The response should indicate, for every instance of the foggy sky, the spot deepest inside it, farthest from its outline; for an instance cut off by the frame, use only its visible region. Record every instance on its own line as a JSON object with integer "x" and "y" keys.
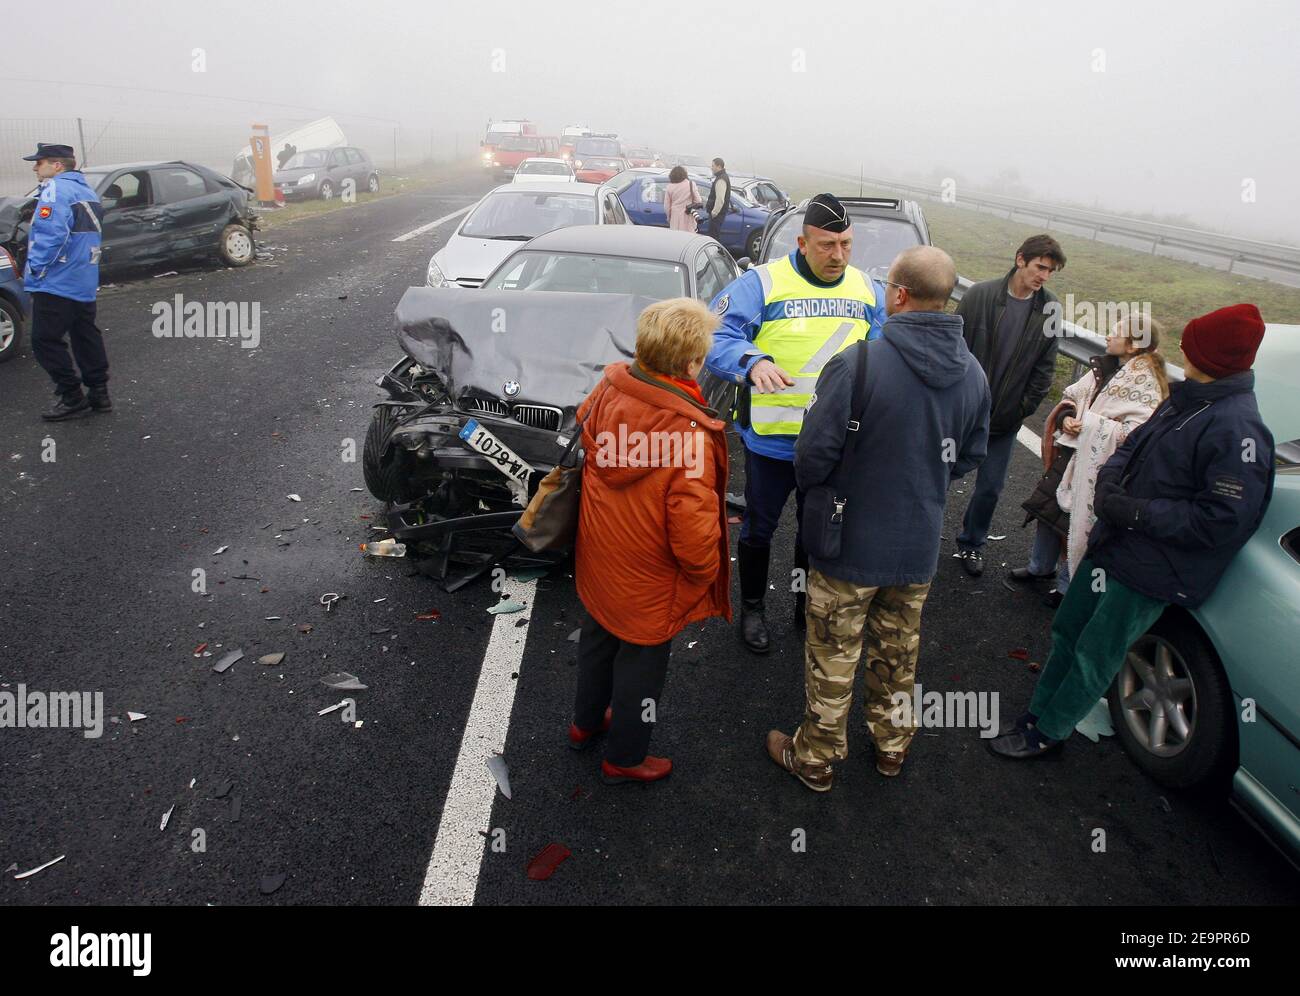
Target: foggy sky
{"x": 1194, "y": 98}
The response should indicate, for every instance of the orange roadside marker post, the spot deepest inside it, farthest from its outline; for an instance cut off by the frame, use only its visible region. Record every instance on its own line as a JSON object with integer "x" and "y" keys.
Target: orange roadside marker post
{"x": 261, "y": 146}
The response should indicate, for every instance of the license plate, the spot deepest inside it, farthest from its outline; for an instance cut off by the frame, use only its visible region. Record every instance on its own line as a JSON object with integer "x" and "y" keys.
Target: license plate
{"x": 502, "y": 456}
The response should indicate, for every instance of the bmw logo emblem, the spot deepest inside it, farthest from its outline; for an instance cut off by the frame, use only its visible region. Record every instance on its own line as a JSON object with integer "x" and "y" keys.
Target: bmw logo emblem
{"x": 511, "y": 388}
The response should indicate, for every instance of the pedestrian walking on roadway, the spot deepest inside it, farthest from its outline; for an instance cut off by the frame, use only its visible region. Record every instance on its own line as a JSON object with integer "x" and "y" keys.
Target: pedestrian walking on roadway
{"x": 681, "y": 200}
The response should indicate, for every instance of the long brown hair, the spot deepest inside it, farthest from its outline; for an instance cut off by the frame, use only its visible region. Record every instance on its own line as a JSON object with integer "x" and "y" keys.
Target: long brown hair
{"x": 1150, "y": 352}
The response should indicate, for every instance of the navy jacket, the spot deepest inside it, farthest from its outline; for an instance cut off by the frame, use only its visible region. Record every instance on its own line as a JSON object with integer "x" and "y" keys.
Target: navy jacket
{"x": 1204, "y": 462}
{"x": 926, "y": 419}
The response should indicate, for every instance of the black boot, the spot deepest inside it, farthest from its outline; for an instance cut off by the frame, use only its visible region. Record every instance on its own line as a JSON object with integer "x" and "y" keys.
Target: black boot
{"x": 751, "y": 563}
{"x": 66, "y": 406}
{"x": 99, "y": 399}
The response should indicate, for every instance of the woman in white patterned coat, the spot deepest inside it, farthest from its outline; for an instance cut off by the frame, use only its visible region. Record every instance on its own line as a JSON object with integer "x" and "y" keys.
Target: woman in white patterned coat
{"x": 1095, "y": 415}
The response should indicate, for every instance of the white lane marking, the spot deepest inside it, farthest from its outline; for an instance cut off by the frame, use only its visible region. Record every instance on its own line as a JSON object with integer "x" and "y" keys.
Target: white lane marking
{"x": 452, "y": 875}
{"x": 432, "y": 225}
{"x": 1030, "y": 439}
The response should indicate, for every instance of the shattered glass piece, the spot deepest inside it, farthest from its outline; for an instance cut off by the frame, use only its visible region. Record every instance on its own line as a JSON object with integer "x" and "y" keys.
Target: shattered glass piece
{"x": 343, "y": 681}
{"x": 224, "y": 664}
{"x": 544, "y": 864}
{"x": 497, "y": 765}
{"x": 223, "y": 789}
{"x": 40, "y": 868}
{"x": 1096, "y": 724}
{"x": 166, "y": 816}
{"x": 235, "y": 802}
{"x": 135, "y": 717}
{"x": 575, "y": 635}
{"x": 506, "y": 607}
{"x": 271, "y": 882}
{"x": 271, "y": 660}
{"x": 529, "y": 573}
{"x": 294, "y": 497}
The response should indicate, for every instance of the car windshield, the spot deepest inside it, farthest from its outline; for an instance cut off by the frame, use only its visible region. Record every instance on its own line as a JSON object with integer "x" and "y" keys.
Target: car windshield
{"x": 497, "y": 137}
{"x": 584, "y": 147}
{"x": 537, "y": 270}
{"x": 520, "y": 143}
{"x": 524, "y": 215}
{"x": 596, "y": 162}
{"x": 545, "y": 169}
{"x": 876, "y": 241}
{"x": 316, "y": 157}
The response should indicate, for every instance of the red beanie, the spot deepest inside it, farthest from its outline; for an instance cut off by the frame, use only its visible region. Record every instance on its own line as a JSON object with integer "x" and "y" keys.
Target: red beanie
{"x": 1224, "y": 341}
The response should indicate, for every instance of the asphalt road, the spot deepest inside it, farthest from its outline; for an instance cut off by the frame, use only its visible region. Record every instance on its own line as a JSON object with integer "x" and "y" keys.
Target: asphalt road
{"x": 208, "y": 439}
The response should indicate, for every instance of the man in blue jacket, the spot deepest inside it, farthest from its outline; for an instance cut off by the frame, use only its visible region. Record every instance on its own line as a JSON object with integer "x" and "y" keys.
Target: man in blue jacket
{"x": 62, "y": 276}
{"x": 1175, "y": 504}
{"x": 926, "y": 418}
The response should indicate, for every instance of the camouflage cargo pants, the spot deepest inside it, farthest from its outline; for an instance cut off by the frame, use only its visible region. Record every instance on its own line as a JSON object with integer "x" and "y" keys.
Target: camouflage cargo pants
{"x": 838, "y": 614}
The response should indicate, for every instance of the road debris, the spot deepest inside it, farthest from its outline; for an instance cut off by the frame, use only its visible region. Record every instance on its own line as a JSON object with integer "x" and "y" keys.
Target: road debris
{"x": 294, "y": 497}
{"x": 1019, "y": 653}
{"x": 224, "y": 664}
{"x": 271, "y": 660}
{"x": 135, "y": 717}
{"x": 575, "y": 635}
{"x": 334, "y": 707}
{"x": 223, "y": 789}
{"x": 383, "y": 548}
{"x": 220, "y": 550}
{"x": 344, "y": 682}
{"x": 270, "y": 883}
{"x": 433, "y": 615}
{"x": 166, "y": 816}
{"x": 529, "y": 573}
{"x": 305, "y": 627}
{"x": 547, "y": 860}
{"x": 198, "y": 651}
{"x": 328, "y": 599}
{"x": 38, "y": 868}
{"x": 497, "y": 765}
{"x": 1096, "y": 724}
{"x": 506, "y": 607}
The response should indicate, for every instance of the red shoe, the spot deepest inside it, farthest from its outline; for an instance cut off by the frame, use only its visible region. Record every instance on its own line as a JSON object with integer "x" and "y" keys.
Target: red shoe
{"x": 582, "y": 739}
{"x": 649, "y": 770}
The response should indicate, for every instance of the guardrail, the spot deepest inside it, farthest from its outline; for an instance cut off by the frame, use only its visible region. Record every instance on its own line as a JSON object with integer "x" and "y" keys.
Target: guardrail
{"x": 1284, "y": 259}
{"x": 1078, "y": 345}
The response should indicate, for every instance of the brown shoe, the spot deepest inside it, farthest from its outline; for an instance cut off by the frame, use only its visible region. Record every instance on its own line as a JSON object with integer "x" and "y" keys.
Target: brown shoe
{"x": 780, "y": 748}
{"x": 890, "y": 762}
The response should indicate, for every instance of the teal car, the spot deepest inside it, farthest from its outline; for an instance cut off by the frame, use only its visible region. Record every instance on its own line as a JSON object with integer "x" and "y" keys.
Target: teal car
{"x": 1213, "y": 694}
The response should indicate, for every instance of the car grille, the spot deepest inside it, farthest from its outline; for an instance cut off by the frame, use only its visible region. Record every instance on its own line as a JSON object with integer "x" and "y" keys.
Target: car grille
{"x": 538, "y": 417}
{"x": 486, "y": 406}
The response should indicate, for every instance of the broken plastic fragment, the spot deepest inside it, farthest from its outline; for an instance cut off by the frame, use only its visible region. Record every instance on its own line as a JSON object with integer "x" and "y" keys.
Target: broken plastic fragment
{"x": 1019, "y": 653}
{"x": 575, "y": 635}
{"x": 220, "y": 549}
{"x": 294, "y": 497}
{"x": 1096, "y": 724}
{"x": 224, "y": 664}
{"x": 39, "y": 868}
{"x": 223, "y": 789}
{"x": 136, "y": 716}
{"x": 529, "y": 573}
{"x": 383, "y": 548}
{"x": 166, "y": 816}
{"x": 304, "y": 627}
{"x": 544, "y": 864}
{"x": 271, "y": 882}
{"x": 343, "y": 681}
{"x": 433, "y": 615}
{"x": 234, "y": 809}
{"x": 497, "y": 765}
{"x": 271, "y": 660}
{"x": 508, "y": 606}
{"x": 198, "y": 651}
{"x": 329, "y": 709}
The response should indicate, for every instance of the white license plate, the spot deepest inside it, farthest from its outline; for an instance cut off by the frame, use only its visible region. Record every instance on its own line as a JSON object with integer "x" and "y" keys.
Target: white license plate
{"x": 502, "y": 456}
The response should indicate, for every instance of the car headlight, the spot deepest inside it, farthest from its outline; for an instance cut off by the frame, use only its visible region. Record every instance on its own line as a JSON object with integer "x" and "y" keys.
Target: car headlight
{"x": 306, "y": 179}
{"x": 577, "y": 164}
{"x": 434, "y": 277}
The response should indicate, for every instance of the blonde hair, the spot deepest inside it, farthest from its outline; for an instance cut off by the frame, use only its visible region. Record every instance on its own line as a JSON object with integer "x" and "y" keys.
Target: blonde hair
{"x": 672, "y": 334}
{"x": 1149, "y": 351}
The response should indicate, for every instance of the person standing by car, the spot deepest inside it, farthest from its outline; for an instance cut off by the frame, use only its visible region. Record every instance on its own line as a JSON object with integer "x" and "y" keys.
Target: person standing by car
{"x": 681, "y": 198}
{"x": 719, "y": 202}
{"x": 926, "y": 417}
{"x": 62, "y": 276}
{"x": 1096, "y": 414}
{"x": 1007, "y": 330}
{"x": 1175, "y": 503}
{"x": 781, "y": 323}
{"x": 652, "y": 547}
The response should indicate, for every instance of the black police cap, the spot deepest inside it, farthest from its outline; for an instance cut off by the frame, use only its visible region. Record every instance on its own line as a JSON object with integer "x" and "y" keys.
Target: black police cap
{"x": 826, "y": 212}
{"x": 46, "y": 151}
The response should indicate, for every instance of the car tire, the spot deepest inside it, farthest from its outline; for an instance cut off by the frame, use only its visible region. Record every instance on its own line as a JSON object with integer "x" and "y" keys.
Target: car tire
{"x": 326, "y": 190}
{"x": 1192, "y": 743}
{"x": 752, "y": 244}
{"x": 236, "y": 246}
{"x": 386, "y": 477}
{"x": 372, "y": 183}
{"x": 11, "y": 330}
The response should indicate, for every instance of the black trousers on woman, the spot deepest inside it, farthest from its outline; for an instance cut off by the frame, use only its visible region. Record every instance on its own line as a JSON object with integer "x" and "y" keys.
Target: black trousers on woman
{"x": 615, "y": 673}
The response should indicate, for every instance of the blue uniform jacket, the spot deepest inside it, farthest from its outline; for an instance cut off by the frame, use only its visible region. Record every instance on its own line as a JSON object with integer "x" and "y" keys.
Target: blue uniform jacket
{"x": 63, "y": 247}
{"x": 740, "y": 305}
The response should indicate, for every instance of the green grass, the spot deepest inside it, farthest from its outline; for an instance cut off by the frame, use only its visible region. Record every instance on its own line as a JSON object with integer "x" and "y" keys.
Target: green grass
{"x": 408, "y": 180}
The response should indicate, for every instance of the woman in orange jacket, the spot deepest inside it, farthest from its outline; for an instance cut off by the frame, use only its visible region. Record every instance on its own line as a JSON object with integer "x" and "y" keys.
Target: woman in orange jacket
{"x": 652, "y": 546}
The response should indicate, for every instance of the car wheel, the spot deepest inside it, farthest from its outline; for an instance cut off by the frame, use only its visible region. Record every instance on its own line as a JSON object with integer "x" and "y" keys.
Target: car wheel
{"x": 11, "y": 331}
{"x": 326, "y": 190}
{"x": 236, "y": 246}
{"x": 385, "y": 476}
{"x": 752, "y": 244}
{"x": 372, "y": 183}
{"x": 1172, "y": 708}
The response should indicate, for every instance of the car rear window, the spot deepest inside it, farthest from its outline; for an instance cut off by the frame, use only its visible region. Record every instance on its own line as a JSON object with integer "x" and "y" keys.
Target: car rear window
{"x": 595, "y": 147}
{"x": 576, "y": 273}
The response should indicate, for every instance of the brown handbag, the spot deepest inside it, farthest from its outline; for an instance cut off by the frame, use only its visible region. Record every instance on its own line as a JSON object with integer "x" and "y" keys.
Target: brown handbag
{"x": 550, "y": 522}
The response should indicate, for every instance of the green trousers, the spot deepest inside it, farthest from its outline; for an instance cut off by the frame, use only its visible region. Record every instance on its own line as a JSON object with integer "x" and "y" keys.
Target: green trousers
{"x": 1091, "y": 635}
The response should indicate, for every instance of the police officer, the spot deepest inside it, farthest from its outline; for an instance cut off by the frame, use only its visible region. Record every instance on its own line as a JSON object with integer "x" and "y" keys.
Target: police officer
{"x": 62, "y": 276}
{"x": 781, "y": 323}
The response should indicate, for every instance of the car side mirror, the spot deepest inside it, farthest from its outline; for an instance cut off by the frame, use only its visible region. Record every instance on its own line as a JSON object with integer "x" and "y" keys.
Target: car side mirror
{"x": 744, "y": 262}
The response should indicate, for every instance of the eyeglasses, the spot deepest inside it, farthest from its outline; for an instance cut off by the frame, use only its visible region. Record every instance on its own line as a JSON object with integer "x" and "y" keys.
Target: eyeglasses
{"x": 890, "y": 283}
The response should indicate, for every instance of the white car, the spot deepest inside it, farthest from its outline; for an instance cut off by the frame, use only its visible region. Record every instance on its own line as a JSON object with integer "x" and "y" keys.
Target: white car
{"x": 516, "y": 213}
{"x": 541, "y": 170}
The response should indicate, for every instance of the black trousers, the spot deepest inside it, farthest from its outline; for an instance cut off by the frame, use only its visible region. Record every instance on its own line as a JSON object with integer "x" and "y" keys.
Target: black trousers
{"x": 768, "y": 483}
{"x": 615, "y": 673}
{"x": 55, "y": 319}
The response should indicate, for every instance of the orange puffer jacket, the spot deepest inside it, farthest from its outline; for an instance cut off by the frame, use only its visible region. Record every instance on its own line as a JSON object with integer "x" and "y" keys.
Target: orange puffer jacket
{"x": 652, "y": 551}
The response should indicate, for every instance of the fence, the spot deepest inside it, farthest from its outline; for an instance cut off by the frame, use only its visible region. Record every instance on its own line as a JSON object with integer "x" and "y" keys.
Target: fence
{"x": 214, "y": 145}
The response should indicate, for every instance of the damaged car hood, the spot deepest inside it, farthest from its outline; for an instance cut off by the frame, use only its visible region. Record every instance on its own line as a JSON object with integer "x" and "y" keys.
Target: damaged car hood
{"x": 15, "y": 219}
{"x": 547, "y": 347}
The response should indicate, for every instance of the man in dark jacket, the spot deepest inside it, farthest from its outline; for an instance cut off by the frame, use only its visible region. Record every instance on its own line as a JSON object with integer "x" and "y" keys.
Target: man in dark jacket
{"x": 719, "y": 202}
{"x": 1175, "y": 504}
{"x": 1006, "y": 327}
{"x": 926, "y": 418}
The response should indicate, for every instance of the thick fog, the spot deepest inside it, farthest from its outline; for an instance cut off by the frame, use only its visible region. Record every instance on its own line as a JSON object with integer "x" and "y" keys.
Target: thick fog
{"x": 1176, "y": 109}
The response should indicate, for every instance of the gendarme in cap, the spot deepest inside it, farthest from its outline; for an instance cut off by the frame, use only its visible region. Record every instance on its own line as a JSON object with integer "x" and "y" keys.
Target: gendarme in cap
{"x": 826, "y": 212}
{"x": 46, "y": 151}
